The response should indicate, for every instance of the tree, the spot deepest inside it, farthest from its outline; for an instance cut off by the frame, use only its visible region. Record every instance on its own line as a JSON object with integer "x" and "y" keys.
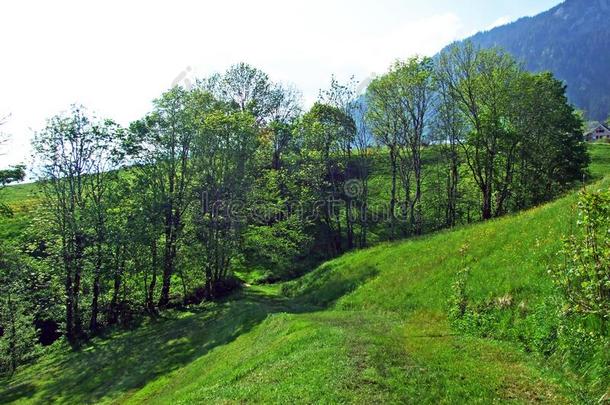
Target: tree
{"x": 342, "y": 97}
{"x": 121, "y": 250}
{"x": 484, "y": 85}
{"x": 278, "y": 237}
{"x": 283, "y": 115}
{"x": 66, "y": 149}
{"x": 383, "y": 115}
{"x": 162, "y": 150}
{"x": 552, "y": 153}
{"x": 449, "y": 129}
{"x": 11, "y": 175}
{"x": 18, "y": 340}
{"x": 327, "y": 134}
{"x": 400, "y": 108}
{"x": 7, "y": 176}
{"x": 250, "y": 89}
{"x": 274, "y": 106}
{"x": 416, "y": 97}
{"x": 145, "y": 220}
{"x": 106, "y": 157}
{"x": 521, "y": 139}
{"x": 224, "y": 144}
{"x": 365, "y": 152}
{"x": 359, "y": 149}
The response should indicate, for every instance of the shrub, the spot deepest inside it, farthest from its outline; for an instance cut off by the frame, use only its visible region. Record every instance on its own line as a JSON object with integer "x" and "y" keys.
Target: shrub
{"x": 19, "y": 338}
{"x": 584, "y": 277}
{"x": 583, "y": 280}
{"x": 458, "y": 302}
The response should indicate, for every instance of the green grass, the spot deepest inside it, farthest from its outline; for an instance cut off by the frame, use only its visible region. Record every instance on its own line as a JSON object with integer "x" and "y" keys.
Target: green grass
{"x": 600, "y": 159}
{"x": 23, "y": 199}
{"x": 367, "y": 327}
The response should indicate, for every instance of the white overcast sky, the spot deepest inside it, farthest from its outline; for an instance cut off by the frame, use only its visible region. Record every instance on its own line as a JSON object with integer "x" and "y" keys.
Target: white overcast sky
{"x": 115, "y": 57}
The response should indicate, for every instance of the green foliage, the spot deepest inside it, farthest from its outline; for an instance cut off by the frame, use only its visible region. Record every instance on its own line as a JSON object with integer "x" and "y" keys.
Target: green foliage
{"x": 458, "y": 302}
{"x": 248, "y": 89}
{"x": 584, "y": 278}
{"x": 14, "y": 174}
{"x": 276, "y": 247}
{"x": 327, "y": 133}
{"x": 399, "y": 108}
{"x": 19, "y": 338}
{"x": 522, "y": 141}
{"x": 8, "y": 176}
{"x": 77, "y": 155}
{"x": 552, "y": 153}
{"x": 224, "y": 149}
{"x": 19, "y": 342}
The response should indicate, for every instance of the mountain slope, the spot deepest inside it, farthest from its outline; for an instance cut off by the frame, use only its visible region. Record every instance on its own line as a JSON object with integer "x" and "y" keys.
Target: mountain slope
{"x": 367, "y": 327}
{"x": 572, "y": 40}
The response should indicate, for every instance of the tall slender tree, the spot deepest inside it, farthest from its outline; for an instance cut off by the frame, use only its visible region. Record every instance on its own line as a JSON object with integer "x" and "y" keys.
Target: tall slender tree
{"x": 106, "y": 159}
{"x": 66, "y": 150}
{"x": 162, "y": 151}
{"x": 483, "y": 84}
{"x": 224, "y": 145}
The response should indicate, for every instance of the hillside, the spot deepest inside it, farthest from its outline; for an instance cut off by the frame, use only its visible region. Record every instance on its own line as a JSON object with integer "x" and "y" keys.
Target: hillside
{"x": 370, "y": 326}
{"x": 572, "y": 41}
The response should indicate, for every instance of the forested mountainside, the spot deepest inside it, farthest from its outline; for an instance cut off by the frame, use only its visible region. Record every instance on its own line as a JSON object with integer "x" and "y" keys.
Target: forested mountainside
{"x": 572, "y": 40}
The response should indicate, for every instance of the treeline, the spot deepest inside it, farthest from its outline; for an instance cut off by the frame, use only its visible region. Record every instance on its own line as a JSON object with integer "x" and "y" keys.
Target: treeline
{"x": 231, "y": 176}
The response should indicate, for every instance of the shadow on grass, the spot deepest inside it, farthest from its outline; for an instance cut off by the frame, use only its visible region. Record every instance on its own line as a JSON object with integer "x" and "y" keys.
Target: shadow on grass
{"x": 327, "y": 284}
{"x": 110, "y": 367}
{"x": 17, "y": 392}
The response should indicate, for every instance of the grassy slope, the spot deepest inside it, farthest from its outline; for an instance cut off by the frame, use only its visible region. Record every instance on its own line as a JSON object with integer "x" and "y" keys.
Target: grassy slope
{"x": 23, "y": 200}
{"x": 369, "y": 326}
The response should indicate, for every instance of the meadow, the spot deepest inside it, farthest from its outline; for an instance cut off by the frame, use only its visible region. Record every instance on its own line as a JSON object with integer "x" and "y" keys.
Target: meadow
{"x": 369, "y": 326}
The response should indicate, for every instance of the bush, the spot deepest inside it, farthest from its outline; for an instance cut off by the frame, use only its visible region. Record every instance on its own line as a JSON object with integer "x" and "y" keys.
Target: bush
{"x": 584, "y": 283}
{"x": 278, "y": 249}
{"x": 584, "y": 277}
{"x": 19, "y": 338}
{"x": 458, "y": 302}
{"x": 18, "y": 335}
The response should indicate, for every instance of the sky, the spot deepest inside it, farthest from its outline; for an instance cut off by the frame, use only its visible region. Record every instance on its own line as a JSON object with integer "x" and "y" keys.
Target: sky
{"x": 115, "y": 57}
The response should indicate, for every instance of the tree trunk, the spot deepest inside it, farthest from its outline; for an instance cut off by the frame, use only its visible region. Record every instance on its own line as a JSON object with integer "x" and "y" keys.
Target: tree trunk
{"x": 70, "y": 335}
{"x": 93, "y": 323}
{"x": 78, "y": 256}
{"x": 276, "y": 161}
{"x": 452, "y": 189}
{"x": 486, "y": 209}
{"x": 78, "y": 325}
{"x": 416, "y": 208}
{"x": 153, "y": 283}
{"x": 393, "y": 195}
{"x": 349, "y": 225}
{"x": 168, "y": 259}
{"x": 113, "y": 317}
{"x": 13, "y": 335}
{"x": 363, "y": 215}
